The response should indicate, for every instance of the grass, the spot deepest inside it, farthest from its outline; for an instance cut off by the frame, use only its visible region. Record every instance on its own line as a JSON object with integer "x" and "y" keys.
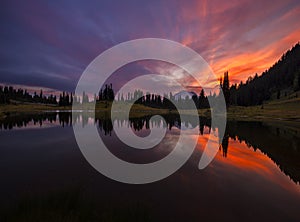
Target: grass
{"x": 285, "y": 109}
{"x": 27, "y": 108}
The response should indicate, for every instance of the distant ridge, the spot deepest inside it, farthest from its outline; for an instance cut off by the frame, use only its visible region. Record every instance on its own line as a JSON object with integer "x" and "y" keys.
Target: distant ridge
{"x": 184, "y": 94}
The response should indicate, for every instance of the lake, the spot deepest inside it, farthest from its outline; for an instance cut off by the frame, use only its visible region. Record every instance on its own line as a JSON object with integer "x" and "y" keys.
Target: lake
{"x": 254, "y": 176}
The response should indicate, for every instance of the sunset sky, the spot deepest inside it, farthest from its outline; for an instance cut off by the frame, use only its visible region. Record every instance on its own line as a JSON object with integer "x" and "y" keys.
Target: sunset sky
{"x": 49, "y": 43}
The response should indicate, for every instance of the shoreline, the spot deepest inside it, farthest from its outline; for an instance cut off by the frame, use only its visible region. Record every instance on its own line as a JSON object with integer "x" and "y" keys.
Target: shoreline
{"x": 270, "y": 112}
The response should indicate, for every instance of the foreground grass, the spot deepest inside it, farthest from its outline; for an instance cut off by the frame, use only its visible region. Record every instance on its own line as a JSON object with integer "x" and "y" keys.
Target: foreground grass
{"x": 285, "y": 110}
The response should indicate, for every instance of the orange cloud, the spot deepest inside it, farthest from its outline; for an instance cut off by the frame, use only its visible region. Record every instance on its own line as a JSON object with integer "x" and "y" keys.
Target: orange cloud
{"x": 239, "y": 37}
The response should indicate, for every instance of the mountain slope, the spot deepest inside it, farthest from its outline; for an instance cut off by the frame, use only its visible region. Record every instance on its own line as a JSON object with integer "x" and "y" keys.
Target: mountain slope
{"x": 282, "y": 79}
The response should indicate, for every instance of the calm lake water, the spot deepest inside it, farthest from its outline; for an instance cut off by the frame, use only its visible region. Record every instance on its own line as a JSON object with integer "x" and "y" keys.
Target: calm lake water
{"x": 254, "y": 176}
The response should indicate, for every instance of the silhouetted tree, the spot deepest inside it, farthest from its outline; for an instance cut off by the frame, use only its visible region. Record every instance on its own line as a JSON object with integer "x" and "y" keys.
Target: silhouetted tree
{"x": 225, "y": 87}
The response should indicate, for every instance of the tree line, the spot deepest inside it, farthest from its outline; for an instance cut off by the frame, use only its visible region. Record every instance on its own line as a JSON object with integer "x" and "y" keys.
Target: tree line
{"x": 282, "y": 78}
{"x": 167, "y": 101}
{"x": 9, "y": 94}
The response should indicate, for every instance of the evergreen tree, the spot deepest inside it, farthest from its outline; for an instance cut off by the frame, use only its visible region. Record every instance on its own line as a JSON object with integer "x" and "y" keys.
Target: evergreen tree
{"x": 225, "y": 87}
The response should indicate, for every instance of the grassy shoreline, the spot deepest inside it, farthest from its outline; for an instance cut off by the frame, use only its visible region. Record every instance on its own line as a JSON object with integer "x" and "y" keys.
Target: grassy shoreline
{"x": 281, "y": 110}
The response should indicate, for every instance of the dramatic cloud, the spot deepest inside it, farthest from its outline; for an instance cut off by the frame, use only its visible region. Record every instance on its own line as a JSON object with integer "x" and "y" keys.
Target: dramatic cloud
{"x": 49, "y": 43}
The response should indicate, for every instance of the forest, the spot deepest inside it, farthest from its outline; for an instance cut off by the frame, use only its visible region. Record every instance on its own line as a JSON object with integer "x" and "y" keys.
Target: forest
{"x": 282, "y": 79}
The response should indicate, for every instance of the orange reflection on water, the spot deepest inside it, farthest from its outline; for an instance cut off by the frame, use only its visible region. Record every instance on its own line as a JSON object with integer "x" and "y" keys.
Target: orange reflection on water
{"x": 239, "y": 160}
{"x": 240, "y": 155}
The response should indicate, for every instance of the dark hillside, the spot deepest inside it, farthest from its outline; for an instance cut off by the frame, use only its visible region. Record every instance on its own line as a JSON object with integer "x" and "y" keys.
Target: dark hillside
{"x": 281, "y": 79}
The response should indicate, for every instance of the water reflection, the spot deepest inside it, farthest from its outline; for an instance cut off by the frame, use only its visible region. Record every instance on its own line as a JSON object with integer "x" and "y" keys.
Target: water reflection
{"x": 36, "y": 119}
{"x": 257, "y": 163}
{"x": 104, "y": 122}
{"x": 282, "y": 146}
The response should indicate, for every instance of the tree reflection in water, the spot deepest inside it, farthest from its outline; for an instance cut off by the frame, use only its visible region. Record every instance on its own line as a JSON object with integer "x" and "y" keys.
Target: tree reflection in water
{"x": 282, "y": 145}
